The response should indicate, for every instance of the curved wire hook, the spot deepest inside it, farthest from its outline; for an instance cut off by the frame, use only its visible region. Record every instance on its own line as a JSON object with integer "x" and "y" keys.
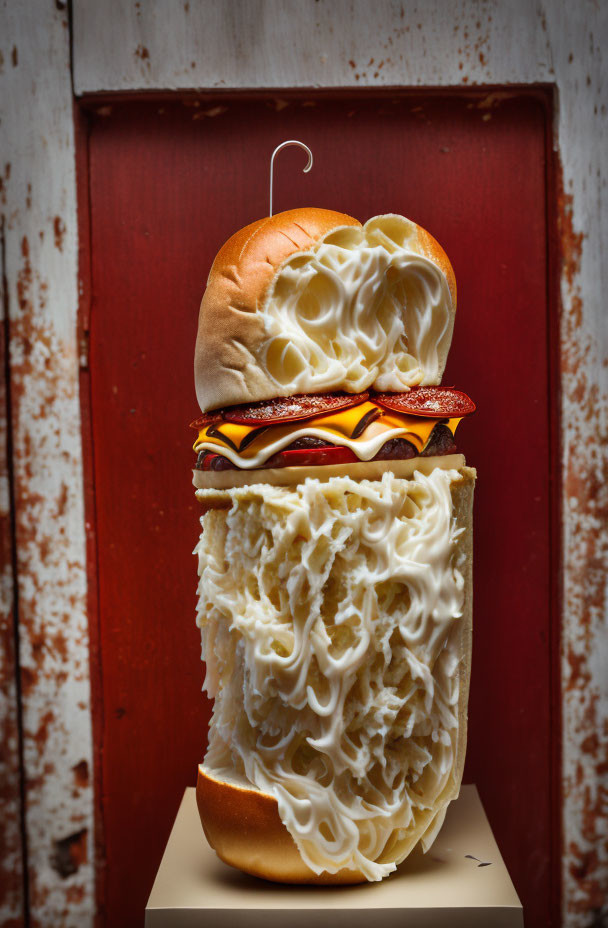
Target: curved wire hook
{"x": 277, "y": 150}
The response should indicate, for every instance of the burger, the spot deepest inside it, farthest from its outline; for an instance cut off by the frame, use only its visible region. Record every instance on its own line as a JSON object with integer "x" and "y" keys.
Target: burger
{"x": 335, "y": 559}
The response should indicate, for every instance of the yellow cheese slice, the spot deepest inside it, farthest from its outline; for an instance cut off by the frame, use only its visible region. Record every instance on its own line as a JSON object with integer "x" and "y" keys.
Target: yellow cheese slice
{"x": 247, "y": 442}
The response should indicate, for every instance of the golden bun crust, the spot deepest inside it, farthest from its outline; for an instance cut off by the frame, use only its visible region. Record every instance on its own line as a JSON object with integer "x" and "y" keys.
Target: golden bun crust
{"x": 239, "y": 278}
{"x": 243, "y": 826}
{"x": 229, "y": 363}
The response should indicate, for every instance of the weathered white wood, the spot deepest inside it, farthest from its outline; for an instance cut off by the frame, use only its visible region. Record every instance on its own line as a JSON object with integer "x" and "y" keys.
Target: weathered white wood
{"x": 127, "y": 45}
{"x": 11, "y": 846}
{"x": 40, "y": 232}
{"x": 162, "y": 45}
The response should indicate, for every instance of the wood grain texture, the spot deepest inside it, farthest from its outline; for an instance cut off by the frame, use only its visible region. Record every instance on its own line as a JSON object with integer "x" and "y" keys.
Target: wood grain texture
{"x": 40, "y": 232}
{"x": 180, "y": 186}
{"x": 12, "y": 902}
{"x": 128, "y": 46}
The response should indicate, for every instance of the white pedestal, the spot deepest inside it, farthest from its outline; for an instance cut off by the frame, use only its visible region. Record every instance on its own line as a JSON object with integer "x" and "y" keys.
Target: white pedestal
{"x": 446, "y": 887}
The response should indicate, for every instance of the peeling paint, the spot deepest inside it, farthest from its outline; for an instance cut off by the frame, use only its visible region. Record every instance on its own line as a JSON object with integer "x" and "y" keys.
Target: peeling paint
{"x": 142, "y": 53}
{"x": 81, "y": 774}
{"x": 69, "y": 853}
{"x": 39, "y": 196}
{"x": 58, "y": 232}
{"x": 11, "y": 851}
{"x": 488, "y": 43}
{"x": 585, "y": 731}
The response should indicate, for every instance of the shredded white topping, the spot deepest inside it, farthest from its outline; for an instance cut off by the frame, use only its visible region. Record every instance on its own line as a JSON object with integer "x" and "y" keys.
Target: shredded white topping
{"x": 359, "y": 309}
{"x": 329, "y": 616}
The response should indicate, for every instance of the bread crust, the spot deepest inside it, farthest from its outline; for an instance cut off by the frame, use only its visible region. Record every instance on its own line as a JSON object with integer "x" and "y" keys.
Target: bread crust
{"x": 242, "y": 823}
{"x": 214, "y": 487}
{"x": 243, "y": 827}
{"x": 239, "y": 278}
{"x": 230, "y": 328}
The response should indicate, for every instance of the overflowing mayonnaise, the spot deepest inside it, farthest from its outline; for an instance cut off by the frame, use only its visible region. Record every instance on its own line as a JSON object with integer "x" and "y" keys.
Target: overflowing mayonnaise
{"x": 330, "y": 616}
{"x": 360, "y": 309}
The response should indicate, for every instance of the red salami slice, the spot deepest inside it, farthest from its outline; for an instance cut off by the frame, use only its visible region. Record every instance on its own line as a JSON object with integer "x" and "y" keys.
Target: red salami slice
{"x": 434, "y": 402}
{"x": 283, "y": 409}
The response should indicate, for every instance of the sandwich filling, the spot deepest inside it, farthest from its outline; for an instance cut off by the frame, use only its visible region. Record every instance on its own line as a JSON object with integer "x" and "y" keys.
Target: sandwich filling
{"x": 331, "y": 620}
{"x": 365, "y": 306}
{"x": 362, "y": 427}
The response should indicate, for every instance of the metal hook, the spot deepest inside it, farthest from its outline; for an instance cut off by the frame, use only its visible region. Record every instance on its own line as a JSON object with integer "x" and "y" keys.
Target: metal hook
{"x": 277, "y": 150}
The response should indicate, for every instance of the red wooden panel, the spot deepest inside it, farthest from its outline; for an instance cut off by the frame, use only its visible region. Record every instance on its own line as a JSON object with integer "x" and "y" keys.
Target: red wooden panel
{"x": 169, "y": 182}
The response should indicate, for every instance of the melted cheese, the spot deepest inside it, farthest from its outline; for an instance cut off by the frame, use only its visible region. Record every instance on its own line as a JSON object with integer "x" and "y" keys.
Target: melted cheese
{"x": 330, "y": 620}
{"x": 236, "y": 443}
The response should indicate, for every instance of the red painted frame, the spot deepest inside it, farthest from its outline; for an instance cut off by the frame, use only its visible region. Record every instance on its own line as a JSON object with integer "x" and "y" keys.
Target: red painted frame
{"x": 542, "y": 903}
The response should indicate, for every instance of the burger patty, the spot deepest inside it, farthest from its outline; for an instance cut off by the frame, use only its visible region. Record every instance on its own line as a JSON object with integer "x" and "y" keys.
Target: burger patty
{"x": 440, "y": 442}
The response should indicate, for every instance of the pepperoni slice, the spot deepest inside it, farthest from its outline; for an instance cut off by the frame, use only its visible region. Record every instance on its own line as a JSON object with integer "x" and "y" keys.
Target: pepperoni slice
{"x": 283, "y": 409}
{"x": 435, "y": 402}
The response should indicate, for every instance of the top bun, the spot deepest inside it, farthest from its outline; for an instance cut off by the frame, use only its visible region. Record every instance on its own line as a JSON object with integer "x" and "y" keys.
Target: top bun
{"x": 309, "y": 301}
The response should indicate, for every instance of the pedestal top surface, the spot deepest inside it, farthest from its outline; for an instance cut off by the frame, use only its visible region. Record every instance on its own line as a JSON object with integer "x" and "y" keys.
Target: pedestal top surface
{"x": 462, "y": 881}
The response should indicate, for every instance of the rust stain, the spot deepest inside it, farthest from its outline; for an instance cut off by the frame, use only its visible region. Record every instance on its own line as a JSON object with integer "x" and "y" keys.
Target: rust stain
{"x": 43, "y": 382}
{"x": 38, "y": 642}
{"x": 58, "y": 232}
{"x": 69, "y": 853}
{"x": 29, "y": 678}
{"x": 42, "y": 734}
{"x": 142, "y": 53}
{"x": 14, "y": 56}
{"x": 571, "y": 241}
{"x": 583, "y": 868}
{"x": 74, "y": 894}
{"x": 59, "y": 645}
{"x": 4, "y": 178}
{"x": 579, "y": 673}
{"x": 81, "y": 774}
{"x": 62, "y": 501}
{"x": 585, "y": 555}
{"x": 11, "y": 880}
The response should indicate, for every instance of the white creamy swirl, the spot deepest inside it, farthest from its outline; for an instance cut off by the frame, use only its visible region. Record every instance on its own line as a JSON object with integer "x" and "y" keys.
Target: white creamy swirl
{"x": 361, "y": 309}
{"x": 329, "y": 616}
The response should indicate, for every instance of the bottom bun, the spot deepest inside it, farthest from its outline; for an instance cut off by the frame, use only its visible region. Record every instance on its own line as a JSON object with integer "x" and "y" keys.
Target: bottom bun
{"x": 243, "y": 826}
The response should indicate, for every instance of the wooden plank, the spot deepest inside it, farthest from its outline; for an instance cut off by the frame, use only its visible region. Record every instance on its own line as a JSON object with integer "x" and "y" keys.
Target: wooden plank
{"x": 12, "y": 907}
{"x": 40, "y": 237}
{"x": 185, "y": 181}
{"x": 509, "y": 42}
{"x": 129, "y": 46}
{"x": 125, "y": 45}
